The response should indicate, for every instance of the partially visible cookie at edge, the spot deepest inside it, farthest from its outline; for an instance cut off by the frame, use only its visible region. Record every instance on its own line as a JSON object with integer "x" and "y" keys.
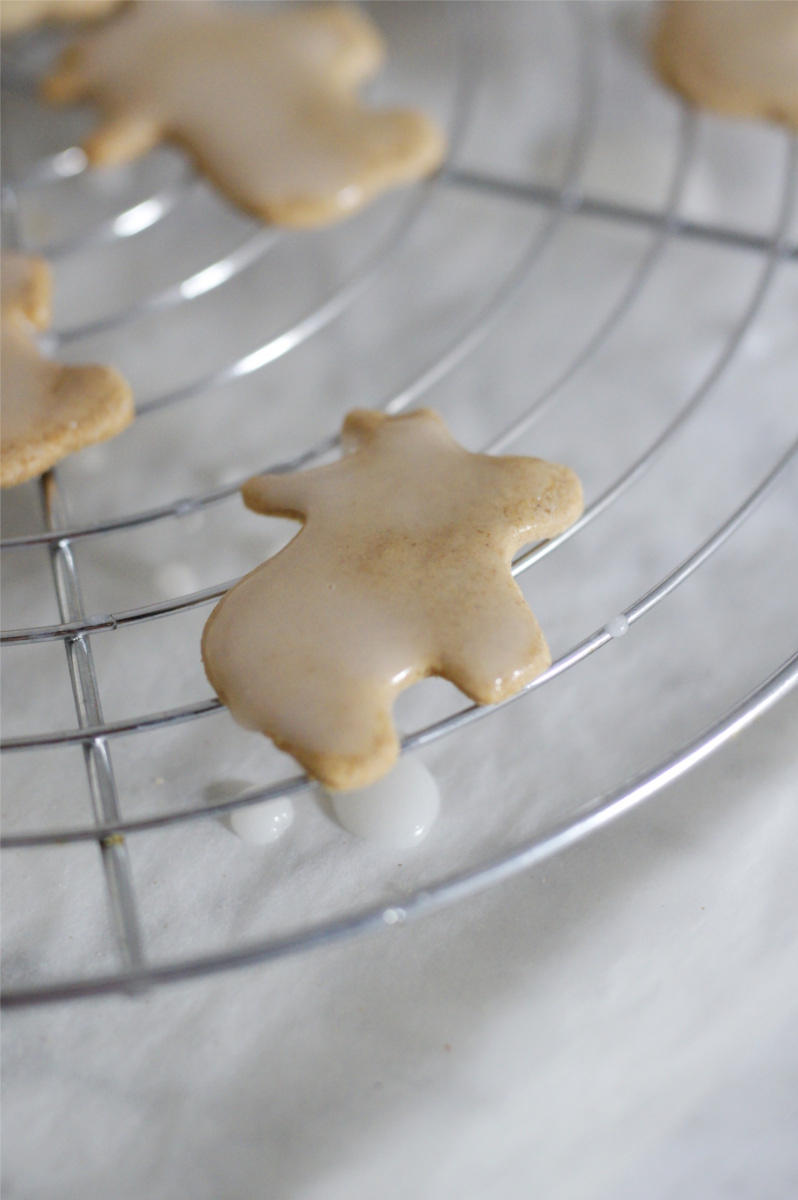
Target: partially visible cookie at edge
{"x": 266, "y": 102}
{"x": 49, "y": 409}
{"x": 734, "y": 57}
{"x": 16, "y": 15}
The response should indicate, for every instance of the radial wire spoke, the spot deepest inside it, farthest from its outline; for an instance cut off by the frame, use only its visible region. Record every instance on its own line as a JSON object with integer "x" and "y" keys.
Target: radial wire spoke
{"x": 625, "y": 214}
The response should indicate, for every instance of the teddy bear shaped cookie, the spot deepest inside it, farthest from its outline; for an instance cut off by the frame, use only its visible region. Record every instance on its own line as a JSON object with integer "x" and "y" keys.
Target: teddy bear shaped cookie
{"x": 402, "y": 570}
{"x": 266, "y": 102}
{"x": 736, "y": 57}
{"x": 49, "y": 409}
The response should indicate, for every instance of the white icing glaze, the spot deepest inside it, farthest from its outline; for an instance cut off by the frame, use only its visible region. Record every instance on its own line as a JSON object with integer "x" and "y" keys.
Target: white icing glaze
{"x": 397, "y": 811}
{"x": 401, "y": 571}
{"x": 262, "y": 824}
{"x": 617, "y": 626}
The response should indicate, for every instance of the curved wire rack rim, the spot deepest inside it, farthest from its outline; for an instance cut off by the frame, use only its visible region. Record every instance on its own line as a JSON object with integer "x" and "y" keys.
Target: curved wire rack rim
{"x": 107, "y": 622}
{"x": 90, "y": 733}
{"x": 200, "y": 283}
{"x": 588, "y": 820}
{"x": 412, "y": 741}
{"x": 129, "y": 221}
{"x": 178, "y": 508}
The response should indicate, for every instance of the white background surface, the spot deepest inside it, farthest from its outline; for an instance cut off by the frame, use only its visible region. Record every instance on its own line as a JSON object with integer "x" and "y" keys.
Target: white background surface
{"x": 621, "y": 1022}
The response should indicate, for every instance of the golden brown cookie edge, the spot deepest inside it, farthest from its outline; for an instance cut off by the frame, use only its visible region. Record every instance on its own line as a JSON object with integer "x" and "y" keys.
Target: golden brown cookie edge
{"x": 26, "y": 458}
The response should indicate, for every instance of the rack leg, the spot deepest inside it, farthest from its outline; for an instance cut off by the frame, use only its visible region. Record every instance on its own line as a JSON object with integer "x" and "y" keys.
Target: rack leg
{"x": 99, "y": 768}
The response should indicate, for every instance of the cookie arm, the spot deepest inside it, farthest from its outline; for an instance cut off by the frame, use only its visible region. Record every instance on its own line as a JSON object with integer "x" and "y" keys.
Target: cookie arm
{"x": 289, "y": 494}
{"x": 121, "y": 136}
{"x": 545, "y": 499}
{"x": 278, "y": 495}
{"x": 356, "y": 49}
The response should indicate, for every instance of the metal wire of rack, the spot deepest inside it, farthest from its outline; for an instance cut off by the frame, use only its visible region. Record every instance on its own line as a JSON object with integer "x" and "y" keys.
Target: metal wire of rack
{"x": 562, "y": 203}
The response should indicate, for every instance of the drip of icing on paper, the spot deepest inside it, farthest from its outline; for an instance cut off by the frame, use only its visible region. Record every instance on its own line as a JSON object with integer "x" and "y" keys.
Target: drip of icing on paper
{"x": 397, "y": 811}
{"x": 261, "y": 824}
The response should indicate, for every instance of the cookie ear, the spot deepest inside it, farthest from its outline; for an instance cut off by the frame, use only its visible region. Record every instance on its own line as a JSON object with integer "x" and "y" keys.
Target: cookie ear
{"x": 360, "y": 426}
{"x": 356, "y": 49}
{"x": 553, "y": 499}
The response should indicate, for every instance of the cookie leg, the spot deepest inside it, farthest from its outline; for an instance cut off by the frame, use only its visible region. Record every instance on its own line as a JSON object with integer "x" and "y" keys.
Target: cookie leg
{"x": 121, "y": 138}
{"x": 360, "y": 759}
{"x": 491, "y": 659}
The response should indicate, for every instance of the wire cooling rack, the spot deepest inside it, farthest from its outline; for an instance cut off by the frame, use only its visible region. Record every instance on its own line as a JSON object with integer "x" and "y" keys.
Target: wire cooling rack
{"x": 406, "y": 303}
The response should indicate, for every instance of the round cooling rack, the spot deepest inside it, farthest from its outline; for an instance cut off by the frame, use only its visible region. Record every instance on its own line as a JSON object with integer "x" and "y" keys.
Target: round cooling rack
{"x": 599, "y": 276}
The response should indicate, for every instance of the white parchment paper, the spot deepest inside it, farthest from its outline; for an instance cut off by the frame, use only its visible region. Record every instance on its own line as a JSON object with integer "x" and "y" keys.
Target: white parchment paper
{"x": 622, "y": 1021}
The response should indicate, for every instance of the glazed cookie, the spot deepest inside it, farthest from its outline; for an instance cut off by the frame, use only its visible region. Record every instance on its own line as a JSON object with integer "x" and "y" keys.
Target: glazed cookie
{"x": 738, "y": 57}
{"x": 401, "y": 570}
{"x": 266, "y": 102}
{"x": 48, "y": 410}
{"x": 21, "y": 14}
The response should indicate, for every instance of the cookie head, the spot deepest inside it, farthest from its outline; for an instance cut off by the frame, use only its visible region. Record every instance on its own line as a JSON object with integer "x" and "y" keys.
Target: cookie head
{"x": 402, "y": 569}
{"x": 48, "y": 410}
{"x": 266, "y": 102}
{"x": 735, "y": 57}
